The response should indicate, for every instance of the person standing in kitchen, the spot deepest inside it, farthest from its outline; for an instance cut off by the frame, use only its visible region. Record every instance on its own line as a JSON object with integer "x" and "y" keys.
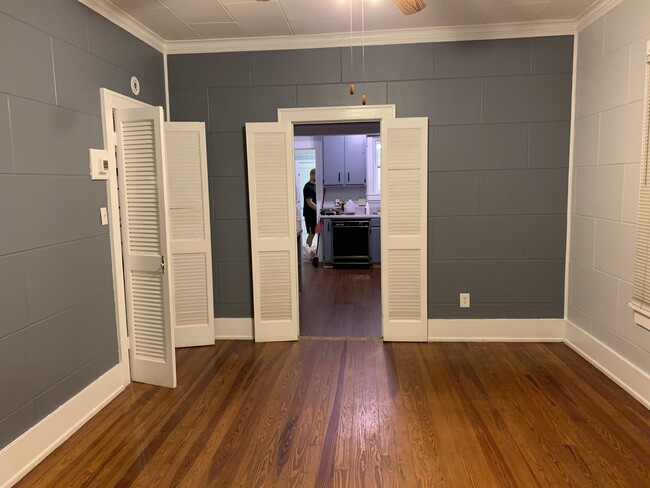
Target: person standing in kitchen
{"x": 309, "y": 208}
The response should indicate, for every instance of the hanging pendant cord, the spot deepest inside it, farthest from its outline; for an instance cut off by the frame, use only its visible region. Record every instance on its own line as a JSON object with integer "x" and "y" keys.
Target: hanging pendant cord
{"x": 363, "y": 44}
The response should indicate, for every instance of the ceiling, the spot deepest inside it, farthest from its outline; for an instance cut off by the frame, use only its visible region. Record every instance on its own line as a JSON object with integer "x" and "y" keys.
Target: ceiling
{"x": 182, "y": 21}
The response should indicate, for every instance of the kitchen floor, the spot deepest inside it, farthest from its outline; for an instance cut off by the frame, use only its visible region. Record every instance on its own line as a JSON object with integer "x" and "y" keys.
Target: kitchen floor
{"x": 340, "y": 302}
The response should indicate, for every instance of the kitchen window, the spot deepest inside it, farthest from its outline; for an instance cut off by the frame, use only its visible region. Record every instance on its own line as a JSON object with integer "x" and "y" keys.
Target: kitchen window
{"x": 373, "y": 150}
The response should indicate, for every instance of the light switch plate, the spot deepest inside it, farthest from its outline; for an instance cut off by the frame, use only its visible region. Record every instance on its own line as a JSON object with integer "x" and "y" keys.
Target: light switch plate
{"x": 464, "y": 300}
{"x": 104, "y": 215}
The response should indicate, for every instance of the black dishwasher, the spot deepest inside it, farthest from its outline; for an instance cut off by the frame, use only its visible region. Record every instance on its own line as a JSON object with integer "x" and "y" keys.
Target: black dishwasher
{"x": 350, "y": 242}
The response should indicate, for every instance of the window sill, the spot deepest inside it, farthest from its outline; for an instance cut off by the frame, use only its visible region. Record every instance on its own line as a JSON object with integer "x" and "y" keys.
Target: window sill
{"x": 641, "y": 316}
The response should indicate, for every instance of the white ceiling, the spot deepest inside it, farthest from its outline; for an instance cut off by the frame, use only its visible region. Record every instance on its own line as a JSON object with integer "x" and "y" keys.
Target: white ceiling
{"x": 174, "y": 22}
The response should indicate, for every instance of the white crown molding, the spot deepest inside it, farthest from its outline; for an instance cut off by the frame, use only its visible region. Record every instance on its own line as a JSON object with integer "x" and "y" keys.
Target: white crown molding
{"x": 340, "y": 39}
{"x": 595, "y": 12}
{"x": 374, "y": 38}
{"x": 129, "y": 24}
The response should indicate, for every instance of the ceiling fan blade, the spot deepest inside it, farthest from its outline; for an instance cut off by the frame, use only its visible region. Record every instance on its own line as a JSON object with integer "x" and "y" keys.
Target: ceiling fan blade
{"x": 409, "y": 7}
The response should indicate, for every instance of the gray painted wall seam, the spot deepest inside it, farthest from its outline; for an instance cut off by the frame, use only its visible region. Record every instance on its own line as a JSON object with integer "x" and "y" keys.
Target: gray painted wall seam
{"x": 56, "y": 97}
{"x": 11, "y": 136}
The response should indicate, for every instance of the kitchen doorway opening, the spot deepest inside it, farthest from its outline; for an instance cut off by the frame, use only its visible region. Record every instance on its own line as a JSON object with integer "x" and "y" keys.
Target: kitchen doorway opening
{"x": 339, "y": 275}
{"x": 274, "y": 251}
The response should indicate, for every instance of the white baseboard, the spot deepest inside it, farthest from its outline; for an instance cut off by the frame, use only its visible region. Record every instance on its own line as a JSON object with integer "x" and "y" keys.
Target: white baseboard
{"x": 496, "y": 330}
{"x": 632, "y": 379}
{"x": 24, "y": 453}
{"x": 233, "y": 329}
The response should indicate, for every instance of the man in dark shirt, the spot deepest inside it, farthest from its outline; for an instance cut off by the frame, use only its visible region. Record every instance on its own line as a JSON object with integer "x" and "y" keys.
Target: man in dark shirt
{"x": 309, "y": 209}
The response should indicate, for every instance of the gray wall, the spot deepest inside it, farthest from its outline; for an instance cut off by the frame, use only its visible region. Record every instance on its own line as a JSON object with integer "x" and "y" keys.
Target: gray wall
{"x": 57, "y": 322}
{"x": 499, "y": 116}
{"x": 607, "y": 155}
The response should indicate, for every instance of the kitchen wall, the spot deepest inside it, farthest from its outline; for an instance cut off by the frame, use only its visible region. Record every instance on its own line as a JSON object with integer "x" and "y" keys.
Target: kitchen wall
{"x": 611, "y": 72}
{"x": 57, "y": 322}
{"x": 499, "y": 141}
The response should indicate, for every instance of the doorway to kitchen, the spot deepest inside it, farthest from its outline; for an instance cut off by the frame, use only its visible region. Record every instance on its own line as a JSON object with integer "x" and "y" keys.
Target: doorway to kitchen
{"x": 274, "y": 250}
{"x": 339, "y": 275}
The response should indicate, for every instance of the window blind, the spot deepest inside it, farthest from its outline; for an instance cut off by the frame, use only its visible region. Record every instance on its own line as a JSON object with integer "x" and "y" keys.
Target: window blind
{"x": 641, "y": 296}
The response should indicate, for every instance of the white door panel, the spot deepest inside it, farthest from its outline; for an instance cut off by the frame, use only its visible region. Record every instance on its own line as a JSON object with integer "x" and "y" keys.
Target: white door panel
{"x": 404, "y": 229}
{"x": 271, "y": 180}
{"x": 141, "y": 173}
{"x": 191, "y": 253}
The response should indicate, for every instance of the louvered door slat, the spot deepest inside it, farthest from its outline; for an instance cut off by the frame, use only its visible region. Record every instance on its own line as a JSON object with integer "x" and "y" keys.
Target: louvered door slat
{"x": 190, "y": 233}
{"x": 145, "y": 245}
{"x": 273, "y": 231}
{"x": 404, "y": 237}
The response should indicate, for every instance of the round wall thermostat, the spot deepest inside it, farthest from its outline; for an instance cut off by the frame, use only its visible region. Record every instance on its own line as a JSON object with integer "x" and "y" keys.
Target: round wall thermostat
{"x": 135, "y": 85}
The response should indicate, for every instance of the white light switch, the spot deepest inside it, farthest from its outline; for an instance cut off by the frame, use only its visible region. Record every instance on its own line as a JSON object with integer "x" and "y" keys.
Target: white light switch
{"x": 104, "y": 215}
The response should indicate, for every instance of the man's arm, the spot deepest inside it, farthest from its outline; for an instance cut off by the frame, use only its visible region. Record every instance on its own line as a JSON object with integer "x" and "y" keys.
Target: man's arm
{"x": 311, "y": 204}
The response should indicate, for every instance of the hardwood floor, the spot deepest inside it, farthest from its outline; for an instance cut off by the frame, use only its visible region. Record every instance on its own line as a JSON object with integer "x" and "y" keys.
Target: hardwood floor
{"x": 340, "y": 302}
{"x": 364, "y": 414}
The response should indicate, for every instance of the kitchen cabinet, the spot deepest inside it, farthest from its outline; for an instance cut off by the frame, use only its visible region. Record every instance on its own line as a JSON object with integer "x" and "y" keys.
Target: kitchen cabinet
{"x": 375, "y": 241}
{"x": 326, "y": 235}
{"x": 333, "y": 160}
{"x": 344, "y": 160}
{"x": 355, "y": 160}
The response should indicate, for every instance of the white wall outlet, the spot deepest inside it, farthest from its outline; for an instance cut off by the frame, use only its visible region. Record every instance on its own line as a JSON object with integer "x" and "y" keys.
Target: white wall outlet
{"x": 464, "y": 300}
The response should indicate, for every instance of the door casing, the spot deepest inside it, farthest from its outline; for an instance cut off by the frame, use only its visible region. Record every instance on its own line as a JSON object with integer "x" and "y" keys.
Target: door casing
{"x": 344, "y": 114}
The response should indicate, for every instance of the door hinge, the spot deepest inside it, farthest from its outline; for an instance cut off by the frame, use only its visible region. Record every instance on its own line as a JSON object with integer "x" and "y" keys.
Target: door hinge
{"x": 162, "y": 263}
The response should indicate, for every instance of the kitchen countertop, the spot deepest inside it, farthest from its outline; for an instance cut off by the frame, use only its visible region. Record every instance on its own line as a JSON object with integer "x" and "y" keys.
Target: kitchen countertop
{"x": 350, "y": 217}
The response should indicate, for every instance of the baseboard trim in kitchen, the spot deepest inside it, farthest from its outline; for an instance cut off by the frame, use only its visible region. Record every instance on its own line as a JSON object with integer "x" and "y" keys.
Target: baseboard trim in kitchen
{"x": 496, "y": 330}
{"x": 238, "y": 329}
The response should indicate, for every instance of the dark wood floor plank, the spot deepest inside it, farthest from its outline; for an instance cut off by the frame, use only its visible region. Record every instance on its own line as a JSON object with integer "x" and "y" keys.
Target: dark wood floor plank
{"x": 130, "y": 459}
{"x": 618, "y": 454}
{"x": 363, "y": 413}
{"x": 394, "y": 441}
{"x": 453, "y": 421}
{"x": 202, "y": 414}
{"x": 426, "y": 457}
{"x": 543, "y": 463}
{"x": 137, "y": 415}
{"x": 311, "y": 428}
{"x": 343, "y": 302}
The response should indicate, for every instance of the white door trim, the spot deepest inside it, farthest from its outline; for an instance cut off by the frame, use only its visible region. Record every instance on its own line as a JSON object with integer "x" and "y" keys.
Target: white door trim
{"x": 352, "y": 113}
{"x": 111, "y": 101}
{"x": 358, "y": 113}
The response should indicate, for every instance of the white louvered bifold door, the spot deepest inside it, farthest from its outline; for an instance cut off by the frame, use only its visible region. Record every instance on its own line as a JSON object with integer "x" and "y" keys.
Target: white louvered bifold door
{"x": 149, "y": 297}
{"x": 404, "y": 229}
{"x": 189, "y": 222}
{"x": 273, "y": 231}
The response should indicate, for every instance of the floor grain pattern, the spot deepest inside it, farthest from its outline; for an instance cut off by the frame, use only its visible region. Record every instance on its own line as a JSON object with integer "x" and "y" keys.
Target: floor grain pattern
{"x": 364, "y": 414}
{"x": 340, "y": 302}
